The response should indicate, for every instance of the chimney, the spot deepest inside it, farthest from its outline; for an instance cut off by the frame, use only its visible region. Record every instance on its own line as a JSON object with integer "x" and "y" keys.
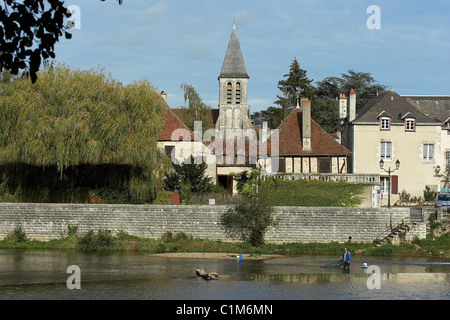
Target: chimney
{"x": 306, "y": 125}
{"x": 352, "y": 106}
{"x": 342, "y": 106}
{"x": 164, "y": 96}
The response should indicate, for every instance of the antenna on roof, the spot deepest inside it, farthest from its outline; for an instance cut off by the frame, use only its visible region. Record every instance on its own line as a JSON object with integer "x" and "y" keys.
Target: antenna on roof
{"x": 234, "y": 22}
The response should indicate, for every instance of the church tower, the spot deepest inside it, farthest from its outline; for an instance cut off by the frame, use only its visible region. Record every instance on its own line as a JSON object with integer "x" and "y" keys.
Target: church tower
{"x": 233, "y": 89}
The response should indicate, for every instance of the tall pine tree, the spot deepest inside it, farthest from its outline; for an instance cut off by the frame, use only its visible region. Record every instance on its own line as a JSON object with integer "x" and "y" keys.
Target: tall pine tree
{"x": 295, "y": 86}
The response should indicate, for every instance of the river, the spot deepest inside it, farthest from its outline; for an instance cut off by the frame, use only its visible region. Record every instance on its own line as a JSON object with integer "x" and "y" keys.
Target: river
{"x": 42, "y": 275}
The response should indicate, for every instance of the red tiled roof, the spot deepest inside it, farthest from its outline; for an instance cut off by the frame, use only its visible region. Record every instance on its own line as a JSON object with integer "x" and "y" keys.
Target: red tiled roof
{"x": 290, "y": 138}
{"x": 211, "y": 115}
{"x": 172, "y": 123}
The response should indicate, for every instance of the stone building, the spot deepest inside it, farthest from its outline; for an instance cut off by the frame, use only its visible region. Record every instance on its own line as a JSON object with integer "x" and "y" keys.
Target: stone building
{"x": 391, "y": 128}
{"x": 234, "y": 110}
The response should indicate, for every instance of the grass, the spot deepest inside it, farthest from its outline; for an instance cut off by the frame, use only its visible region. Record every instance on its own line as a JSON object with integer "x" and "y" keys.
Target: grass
{"x": 180, "y": 242}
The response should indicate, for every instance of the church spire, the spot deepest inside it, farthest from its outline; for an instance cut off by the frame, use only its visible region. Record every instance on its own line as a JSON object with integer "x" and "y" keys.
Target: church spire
{"x": 233, "y": 64}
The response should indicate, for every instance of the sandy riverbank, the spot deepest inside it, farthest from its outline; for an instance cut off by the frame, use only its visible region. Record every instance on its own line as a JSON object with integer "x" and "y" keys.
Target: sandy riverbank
{"x": 215, "y": 256}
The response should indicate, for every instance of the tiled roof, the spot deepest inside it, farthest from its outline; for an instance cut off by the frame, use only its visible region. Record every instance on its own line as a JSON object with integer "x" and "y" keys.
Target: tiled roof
{"x": 393, "y": 104}
{"x": 290, "y": 138}
{"x": 172, "y": 123}
{"x": 212, "y": 115}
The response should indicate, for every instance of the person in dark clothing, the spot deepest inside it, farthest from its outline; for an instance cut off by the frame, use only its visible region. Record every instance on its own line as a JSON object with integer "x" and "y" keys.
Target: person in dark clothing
{"x": 346, "y": 258}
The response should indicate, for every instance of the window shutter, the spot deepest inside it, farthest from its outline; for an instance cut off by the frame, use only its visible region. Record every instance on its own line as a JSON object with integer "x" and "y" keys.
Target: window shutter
{"x": 394, "y": 184}
{"x": 325, "y": 165}
{"x": 281, "y": 165}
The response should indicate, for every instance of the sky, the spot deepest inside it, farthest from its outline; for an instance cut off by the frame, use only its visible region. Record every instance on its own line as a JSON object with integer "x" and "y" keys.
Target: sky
{"x": 171, "y": 42}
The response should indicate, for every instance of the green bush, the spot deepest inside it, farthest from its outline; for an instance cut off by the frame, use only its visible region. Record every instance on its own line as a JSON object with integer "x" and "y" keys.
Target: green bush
{"x": 248, "y": 221}
{"x": 163, "y": 197}
{"x": 72, "y": 230}
{"x": 167, "y": 237}
{"x": 103, "y": 240}
{"x": 429, "y": 195}
{"x": 17, "y": 235}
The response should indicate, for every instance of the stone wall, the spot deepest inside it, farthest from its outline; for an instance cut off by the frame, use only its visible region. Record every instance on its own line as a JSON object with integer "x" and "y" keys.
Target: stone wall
{"x": 296, "y": 224}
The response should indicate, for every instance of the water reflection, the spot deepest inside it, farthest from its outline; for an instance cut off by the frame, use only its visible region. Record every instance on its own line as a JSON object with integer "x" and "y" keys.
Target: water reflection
{"x": 42, "y": 275}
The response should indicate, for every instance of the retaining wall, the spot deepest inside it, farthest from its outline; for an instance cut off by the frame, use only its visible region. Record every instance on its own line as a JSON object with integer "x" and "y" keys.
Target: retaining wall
{"x": 296, "y": 224}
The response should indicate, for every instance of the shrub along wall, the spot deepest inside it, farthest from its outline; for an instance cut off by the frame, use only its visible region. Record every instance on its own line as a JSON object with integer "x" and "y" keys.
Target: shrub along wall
{"x": 296, "y": 224}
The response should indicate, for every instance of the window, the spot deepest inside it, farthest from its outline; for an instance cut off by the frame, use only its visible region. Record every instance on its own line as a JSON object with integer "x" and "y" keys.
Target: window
{"x": 384, "y": 184}
{"x": 325, "y": 165}
{"x": 386, "y": 150}
{"x": 385, "y": 123}
{"x": 229, "y": 92}
{"x": 428, "y": 152}
{"x": 169, "y": 150}
{"x": 410, "y": 125}
{"x": 238, "y": 93}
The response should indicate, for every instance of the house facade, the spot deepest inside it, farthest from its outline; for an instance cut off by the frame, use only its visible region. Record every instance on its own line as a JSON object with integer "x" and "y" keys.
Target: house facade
{"x": 304, "y": 147}
{"x": 437, "y": 108}
{"x": 391, "y": 129}
{"x": 179, "y": 142}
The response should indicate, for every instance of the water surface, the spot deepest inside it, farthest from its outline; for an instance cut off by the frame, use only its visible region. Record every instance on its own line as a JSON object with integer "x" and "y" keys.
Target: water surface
{"x": 42, "y": 275}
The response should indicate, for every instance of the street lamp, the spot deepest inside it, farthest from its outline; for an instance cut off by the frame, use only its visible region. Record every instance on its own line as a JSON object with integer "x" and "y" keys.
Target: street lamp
{"x": 389, "y": 171}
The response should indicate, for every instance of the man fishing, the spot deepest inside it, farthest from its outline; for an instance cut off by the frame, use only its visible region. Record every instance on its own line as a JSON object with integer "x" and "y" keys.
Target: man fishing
{"x": 346, "y": 258}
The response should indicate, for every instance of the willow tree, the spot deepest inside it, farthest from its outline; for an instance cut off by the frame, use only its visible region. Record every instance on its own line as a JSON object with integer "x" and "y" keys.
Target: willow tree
{"x": 196, "y": 109}
{"x": 77, "y": 130}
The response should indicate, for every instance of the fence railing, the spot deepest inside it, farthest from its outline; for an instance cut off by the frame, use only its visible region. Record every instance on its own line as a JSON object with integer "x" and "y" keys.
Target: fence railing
{"x": 347, "y": 177}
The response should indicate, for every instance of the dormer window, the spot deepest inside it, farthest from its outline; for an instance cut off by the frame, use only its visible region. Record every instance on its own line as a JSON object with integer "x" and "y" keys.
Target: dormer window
{"x": 447, "y": 125}
{"x": 410, "y": 124}
{"x": 385, "y": 123}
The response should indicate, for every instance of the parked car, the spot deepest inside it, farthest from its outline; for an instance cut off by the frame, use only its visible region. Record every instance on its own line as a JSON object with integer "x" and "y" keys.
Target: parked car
{"x": 443, "y": 200}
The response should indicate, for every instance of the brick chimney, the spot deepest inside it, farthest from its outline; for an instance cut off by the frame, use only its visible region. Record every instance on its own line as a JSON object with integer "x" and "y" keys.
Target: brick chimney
{"x": 352, "y": 106}
{"x": 306, "y": 125}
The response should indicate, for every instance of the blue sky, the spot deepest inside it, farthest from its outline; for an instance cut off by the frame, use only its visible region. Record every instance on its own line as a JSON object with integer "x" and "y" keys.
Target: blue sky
{"x": 170, "y": 42}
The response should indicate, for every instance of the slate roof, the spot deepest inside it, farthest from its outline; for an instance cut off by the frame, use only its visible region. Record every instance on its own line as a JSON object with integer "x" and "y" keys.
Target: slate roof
{"x": 290, "y": 138}
{"x": 392, "y": 104}
{"x": 233, "y": 64}
{"x": 436, "y": 107}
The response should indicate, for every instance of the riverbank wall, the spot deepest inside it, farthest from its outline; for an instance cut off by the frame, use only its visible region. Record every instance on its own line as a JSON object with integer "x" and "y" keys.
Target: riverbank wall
{"x": 296, "y": 224}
